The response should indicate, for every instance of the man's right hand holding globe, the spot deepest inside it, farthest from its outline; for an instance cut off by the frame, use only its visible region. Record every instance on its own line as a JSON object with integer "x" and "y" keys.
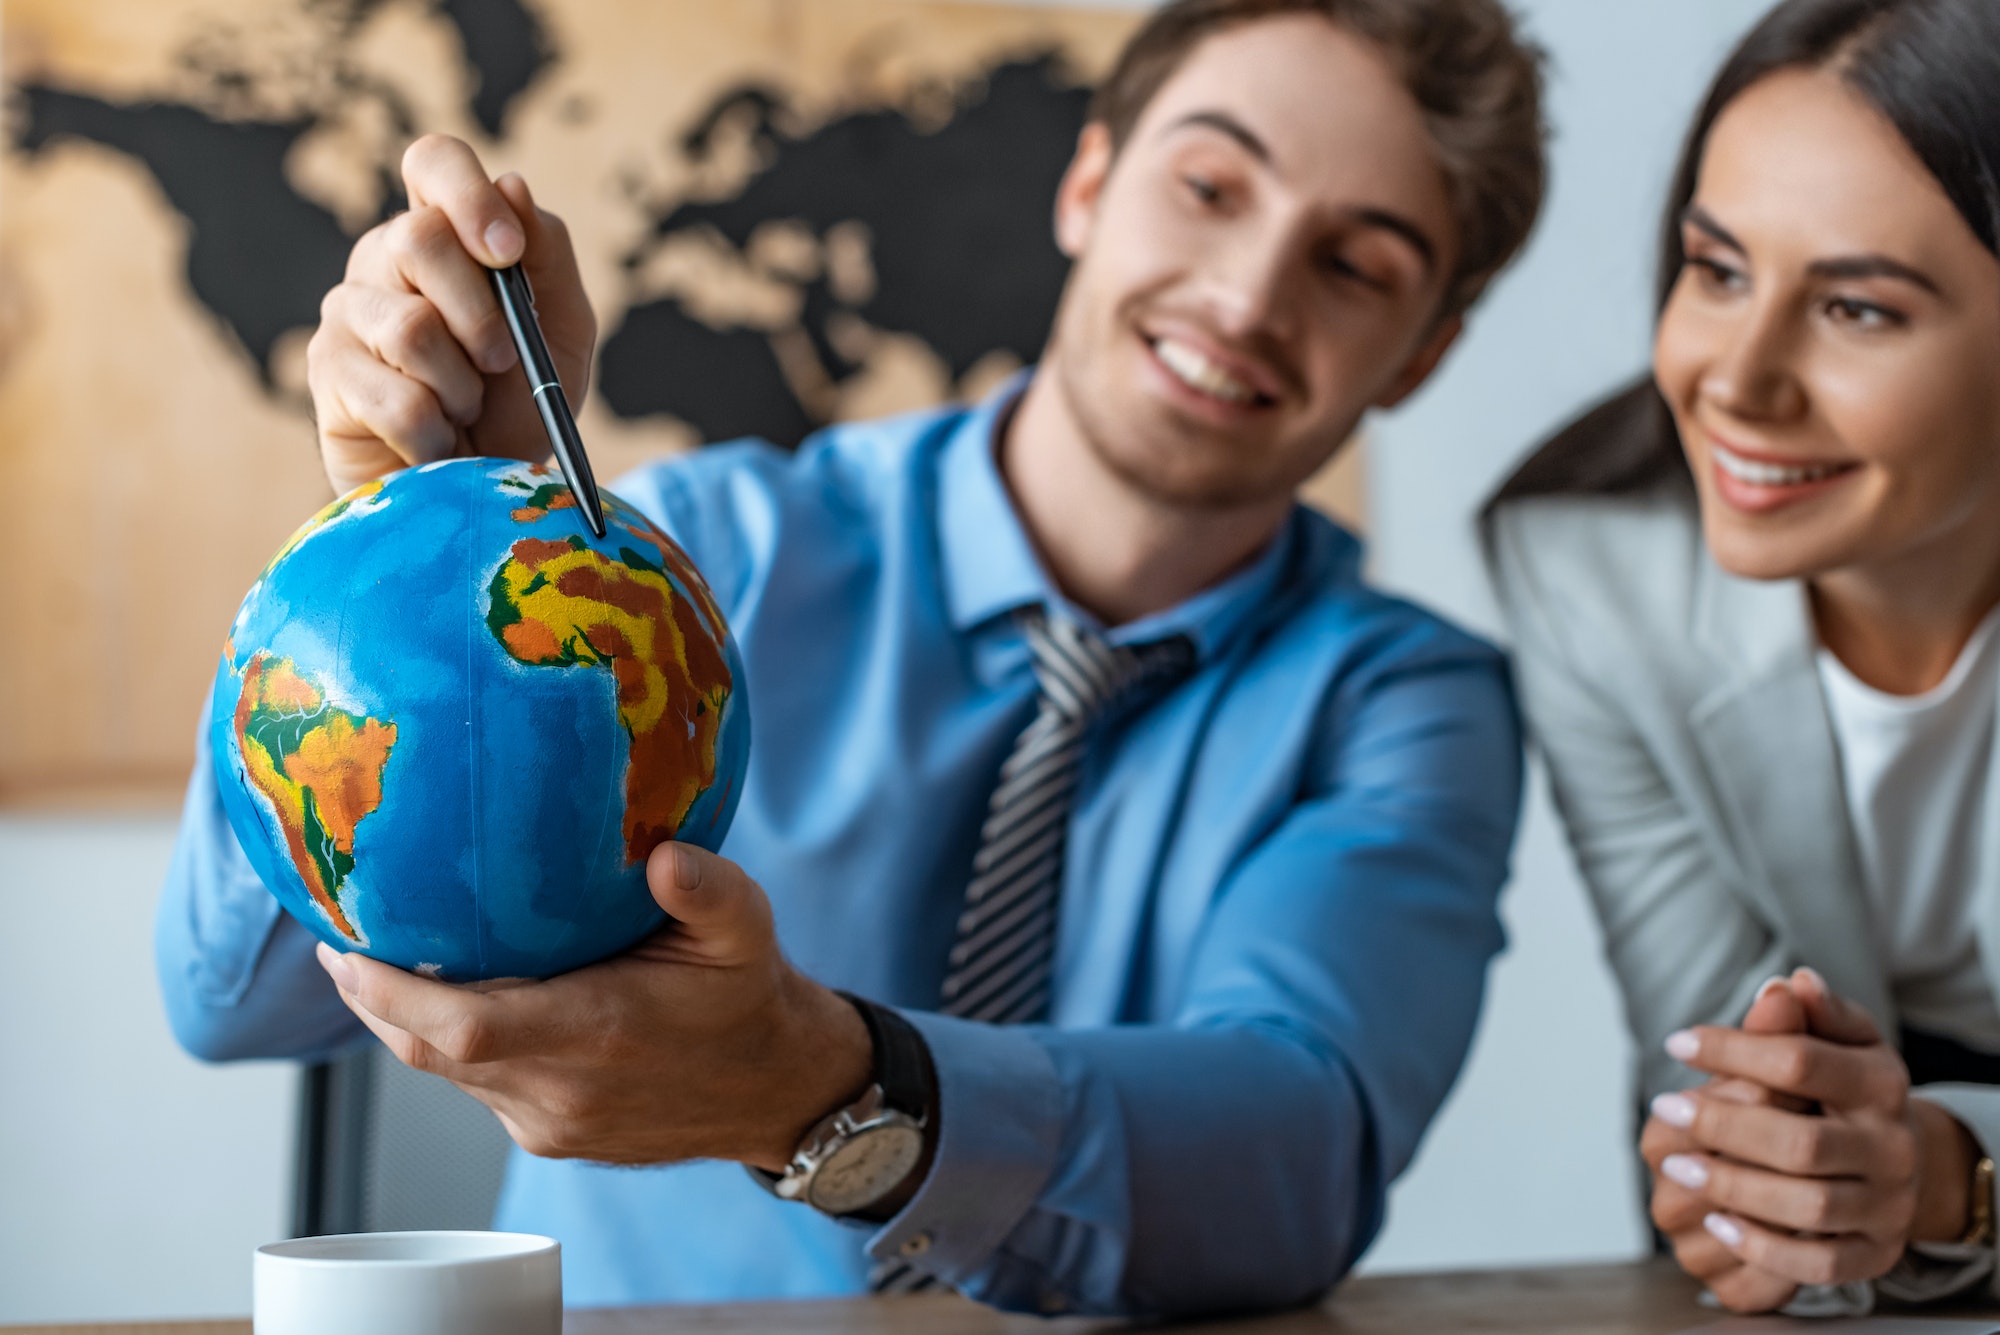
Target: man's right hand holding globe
{"x": 412, "y": 361}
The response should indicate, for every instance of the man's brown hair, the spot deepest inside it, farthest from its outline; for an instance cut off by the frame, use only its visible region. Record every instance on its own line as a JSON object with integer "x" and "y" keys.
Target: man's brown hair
{"x": 1478, "y": 81}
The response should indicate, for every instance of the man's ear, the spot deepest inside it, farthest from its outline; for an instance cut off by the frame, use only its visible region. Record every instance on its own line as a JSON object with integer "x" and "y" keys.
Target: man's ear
{"x": 1082, "y": 186}
{"x": 1422, "y": 362}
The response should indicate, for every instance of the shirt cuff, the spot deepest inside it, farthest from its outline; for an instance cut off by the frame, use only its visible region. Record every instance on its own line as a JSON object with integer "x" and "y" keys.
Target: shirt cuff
{"x": 1000, "y": 1128}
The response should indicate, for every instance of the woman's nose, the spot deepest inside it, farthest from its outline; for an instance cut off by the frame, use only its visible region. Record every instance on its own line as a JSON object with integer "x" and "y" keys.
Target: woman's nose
{"x": 1753, "y": 373}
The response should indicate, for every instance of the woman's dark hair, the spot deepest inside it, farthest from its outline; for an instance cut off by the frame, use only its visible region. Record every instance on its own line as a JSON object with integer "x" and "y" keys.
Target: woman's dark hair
{"x": 1932, "y": 67}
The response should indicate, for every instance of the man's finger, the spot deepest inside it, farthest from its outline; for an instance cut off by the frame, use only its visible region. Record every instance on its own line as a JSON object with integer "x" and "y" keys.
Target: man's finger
{"x": 457, "y": 1022}
{"x": 1799, "y": 1065}
{"x": 368, "y": 398}
{"x": 441, "y": 170}
{"x": 407, "y": 332}
{"x": 720, "y": 911}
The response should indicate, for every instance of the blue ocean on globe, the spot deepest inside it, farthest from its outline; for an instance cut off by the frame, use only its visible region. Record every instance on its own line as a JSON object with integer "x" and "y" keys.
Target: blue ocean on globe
{"x": 450, "y": 724}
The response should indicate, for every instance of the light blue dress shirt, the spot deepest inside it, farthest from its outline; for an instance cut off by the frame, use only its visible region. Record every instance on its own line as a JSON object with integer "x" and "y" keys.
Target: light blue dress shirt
{"x": 1278, "y": 904}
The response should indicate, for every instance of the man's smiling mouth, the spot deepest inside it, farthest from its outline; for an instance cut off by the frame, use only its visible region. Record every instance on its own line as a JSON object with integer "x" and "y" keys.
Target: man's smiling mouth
{"x": 1204, "y": 375}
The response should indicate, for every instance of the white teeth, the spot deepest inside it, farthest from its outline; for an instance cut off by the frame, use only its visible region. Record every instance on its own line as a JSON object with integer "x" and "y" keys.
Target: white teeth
{"x": 1772, "y": 475}
{"x": 1197, "y": 371}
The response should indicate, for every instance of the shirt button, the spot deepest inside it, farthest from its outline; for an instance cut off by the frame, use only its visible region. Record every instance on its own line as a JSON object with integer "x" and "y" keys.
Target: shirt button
{"x": 916, "y": 1244}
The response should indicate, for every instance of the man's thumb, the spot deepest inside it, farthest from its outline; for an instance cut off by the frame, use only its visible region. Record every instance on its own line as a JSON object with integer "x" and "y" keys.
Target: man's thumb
{"x": 710, "y": 896}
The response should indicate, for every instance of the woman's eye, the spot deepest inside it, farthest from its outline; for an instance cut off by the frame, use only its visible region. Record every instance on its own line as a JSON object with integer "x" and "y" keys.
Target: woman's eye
{"x": 1203, "y": 189}
{"x": 1716, "y": 275}
{"x": 1862, "y": 314}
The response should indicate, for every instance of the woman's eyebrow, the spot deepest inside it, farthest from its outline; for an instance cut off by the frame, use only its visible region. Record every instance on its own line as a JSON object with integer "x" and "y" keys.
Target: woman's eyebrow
{"x": 1842, "y": 266}
{"x": 1699, "y": 218}
{"x": 1873, "y": 266}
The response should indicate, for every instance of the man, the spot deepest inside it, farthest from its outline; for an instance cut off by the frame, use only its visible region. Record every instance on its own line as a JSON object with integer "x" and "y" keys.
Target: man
{"x": 1175, "y": 994}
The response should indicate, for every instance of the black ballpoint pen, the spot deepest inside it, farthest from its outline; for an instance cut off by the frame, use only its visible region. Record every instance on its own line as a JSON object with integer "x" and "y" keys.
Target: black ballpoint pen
{"x": 517, "y": 301}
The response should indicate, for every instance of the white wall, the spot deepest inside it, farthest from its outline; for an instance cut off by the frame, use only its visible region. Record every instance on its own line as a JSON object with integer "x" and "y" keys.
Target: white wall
{"x": 112, "y": 1141}
{"x": 134, "y": 1182}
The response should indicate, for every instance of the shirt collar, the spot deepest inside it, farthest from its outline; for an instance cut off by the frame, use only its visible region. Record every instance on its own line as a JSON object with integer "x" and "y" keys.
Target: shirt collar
{"x": 990, "y": 567}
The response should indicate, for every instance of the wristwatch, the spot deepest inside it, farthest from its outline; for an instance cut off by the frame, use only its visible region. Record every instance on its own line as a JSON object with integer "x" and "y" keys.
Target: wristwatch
{"x": 856, "y": 1158}
{"x": 1979, "y": 1230}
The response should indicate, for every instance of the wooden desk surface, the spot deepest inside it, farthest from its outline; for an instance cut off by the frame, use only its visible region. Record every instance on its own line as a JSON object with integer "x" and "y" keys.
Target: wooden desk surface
{"x": 1647, "y": 1298}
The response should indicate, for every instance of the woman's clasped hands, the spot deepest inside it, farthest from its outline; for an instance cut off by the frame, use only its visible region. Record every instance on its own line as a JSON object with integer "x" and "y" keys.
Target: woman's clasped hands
{"x": 1803, "y": 1159}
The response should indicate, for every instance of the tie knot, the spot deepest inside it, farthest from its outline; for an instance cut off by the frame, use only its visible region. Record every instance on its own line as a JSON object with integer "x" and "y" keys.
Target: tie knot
{"x": 1081, "y": 673}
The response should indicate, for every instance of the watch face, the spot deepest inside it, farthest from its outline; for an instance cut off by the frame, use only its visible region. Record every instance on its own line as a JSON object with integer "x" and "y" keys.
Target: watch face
{"x": 866, "y": 1168}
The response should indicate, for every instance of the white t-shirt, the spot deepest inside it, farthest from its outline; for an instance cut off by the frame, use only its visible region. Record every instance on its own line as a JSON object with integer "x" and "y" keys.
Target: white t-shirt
{"x": 1915, "y": 770}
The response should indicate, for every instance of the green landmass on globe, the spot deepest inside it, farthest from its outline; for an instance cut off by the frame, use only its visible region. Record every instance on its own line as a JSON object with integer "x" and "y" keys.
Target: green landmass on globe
{"x": 319, "y": 767}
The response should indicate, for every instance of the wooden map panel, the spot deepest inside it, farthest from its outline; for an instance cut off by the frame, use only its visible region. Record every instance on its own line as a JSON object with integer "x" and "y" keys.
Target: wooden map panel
{"x": 773, "y": 201}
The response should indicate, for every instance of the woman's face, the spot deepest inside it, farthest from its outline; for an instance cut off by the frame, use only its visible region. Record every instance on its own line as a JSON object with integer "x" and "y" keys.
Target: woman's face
{"x": 1831, "y": 350}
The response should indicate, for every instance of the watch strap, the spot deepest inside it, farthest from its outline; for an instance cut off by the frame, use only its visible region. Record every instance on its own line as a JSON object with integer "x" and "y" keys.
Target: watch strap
{"x": 902, "y": 1059}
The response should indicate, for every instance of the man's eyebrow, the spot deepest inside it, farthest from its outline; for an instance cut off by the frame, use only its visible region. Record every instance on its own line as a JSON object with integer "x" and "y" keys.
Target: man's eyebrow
{"x": 1224, "y": 123}
{"x": 1845, "y": 266}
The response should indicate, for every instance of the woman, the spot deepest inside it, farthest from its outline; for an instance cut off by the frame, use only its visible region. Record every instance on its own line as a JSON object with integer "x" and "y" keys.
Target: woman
{"x": 1754, "y": 608}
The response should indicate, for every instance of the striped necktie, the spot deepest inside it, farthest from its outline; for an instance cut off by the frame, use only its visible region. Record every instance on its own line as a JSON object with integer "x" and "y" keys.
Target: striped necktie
{"x": 1002, "y": 964}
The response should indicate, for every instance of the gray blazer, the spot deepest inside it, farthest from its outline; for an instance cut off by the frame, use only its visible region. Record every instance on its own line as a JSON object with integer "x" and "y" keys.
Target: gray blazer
{"x": 1680, "y": 713}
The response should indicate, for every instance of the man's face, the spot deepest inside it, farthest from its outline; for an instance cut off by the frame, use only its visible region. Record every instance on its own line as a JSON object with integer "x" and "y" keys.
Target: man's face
{"x": 1262, "y": 261}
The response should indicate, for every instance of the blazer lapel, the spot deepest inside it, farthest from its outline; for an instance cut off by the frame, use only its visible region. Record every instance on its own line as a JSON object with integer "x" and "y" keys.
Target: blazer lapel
{"x": 1771, "y": 754}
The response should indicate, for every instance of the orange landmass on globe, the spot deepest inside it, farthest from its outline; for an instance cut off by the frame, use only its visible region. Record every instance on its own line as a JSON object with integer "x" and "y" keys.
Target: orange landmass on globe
{"x": 562, "y": 604}
{"x": 319, "y": 767}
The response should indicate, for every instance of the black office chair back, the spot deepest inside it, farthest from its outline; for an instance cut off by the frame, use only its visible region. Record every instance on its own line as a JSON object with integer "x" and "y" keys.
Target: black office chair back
{"x": 382, "y": 1148}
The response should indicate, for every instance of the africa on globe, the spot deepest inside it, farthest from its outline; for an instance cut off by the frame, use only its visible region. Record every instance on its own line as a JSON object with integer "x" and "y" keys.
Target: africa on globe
{"x": 450, "y": 724}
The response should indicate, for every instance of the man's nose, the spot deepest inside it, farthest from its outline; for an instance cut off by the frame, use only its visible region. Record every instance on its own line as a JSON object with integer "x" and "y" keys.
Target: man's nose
{"x": 1254, "y": 280}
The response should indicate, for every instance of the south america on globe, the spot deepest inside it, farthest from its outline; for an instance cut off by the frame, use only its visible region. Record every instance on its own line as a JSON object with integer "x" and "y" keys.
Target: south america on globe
{"x": 449, "y": 724}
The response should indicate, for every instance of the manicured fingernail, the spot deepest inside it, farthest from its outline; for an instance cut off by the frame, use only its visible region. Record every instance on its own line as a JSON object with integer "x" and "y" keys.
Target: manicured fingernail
{"x": 1685, "y": 1169}
{"x": 338, "y": 967}
{"x": 1683, "y": 1046}
{"x": 1770, "y": 984}
{"x": 503, "y": 241}
{"x": 1726, "y": 1230}
{"x": 1812, "y": 976}
{"x": 1674, "y": 1110}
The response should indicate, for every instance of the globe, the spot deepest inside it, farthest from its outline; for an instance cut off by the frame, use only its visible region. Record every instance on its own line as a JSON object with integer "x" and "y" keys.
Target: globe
{"x": 449, "y": 724}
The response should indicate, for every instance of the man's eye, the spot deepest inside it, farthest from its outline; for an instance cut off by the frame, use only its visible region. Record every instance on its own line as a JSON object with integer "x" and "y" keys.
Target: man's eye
{"x": 1862, "y": 314}
{"x": 1336, "y": 265}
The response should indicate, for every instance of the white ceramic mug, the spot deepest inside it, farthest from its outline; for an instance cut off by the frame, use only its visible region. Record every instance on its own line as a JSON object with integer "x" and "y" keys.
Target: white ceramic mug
{"x": 409, "y": 1284}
